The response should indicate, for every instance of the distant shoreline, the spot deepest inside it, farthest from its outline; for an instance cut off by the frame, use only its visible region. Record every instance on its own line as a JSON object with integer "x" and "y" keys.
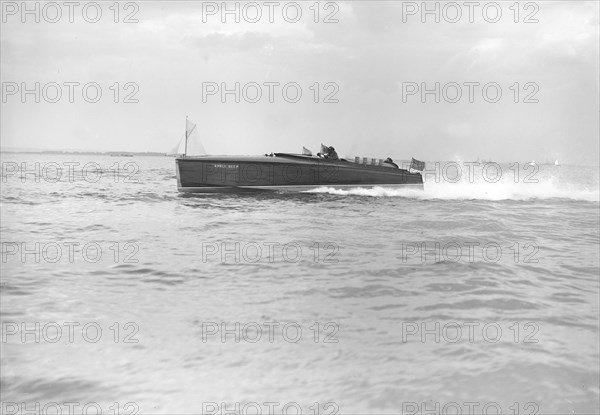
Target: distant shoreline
{"x": 157, "y": 154}
{"x": 90, "y": 153}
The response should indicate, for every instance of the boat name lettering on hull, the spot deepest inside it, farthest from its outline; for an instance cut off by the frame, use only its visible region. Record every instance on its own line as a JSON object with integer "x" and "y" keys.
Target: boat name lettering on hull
{"x": 226, "y": 166}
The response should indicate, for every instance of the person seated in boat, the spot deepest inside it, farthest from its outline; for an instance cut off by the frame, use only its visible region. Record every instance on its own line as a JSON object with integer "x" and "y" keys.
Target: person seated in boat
{"x": 331, "y": 154}
{"x": 390, "y": 163}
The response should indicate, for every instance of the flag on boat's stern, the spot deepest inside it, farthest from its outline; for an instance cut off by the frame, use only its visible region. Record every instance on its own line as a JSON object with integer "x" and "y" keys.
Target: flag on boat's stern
{"x": 306, "y": 151}
{"x": 417, "y": 165}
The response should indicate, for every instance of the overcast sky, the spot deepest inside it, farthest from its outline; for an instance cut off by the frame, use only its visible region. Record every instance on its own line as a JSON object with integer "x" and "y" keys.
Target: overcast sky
{"x": 374, "y": 52}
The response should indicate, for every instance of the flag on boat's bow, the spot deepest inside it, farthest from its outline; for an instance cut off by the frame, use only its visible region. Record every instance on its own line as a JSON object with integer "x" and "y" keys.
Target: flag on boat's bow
{"x": 306, "y": 151}
{"x": 190, "y": 143}
{"x": 190, "y": 127}
{"x": 417, "y": 165}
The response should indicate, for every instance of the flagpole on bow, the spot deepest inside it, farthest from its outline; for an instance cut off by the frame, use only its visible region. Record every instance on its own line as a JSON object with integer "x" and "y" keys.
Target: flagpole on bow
{"x": 186, "y": 136}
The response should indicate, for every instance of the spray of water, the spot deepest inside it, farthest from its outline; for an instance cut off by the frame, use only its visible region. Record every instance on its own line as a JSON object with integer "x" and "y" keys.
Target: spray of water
{"x": 519, "y": 183}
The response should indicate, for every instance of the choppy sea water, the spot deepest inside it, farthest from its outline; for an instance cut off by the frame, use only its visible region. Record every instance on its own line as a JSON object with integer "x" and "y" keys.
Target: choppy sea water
{"x": 120, "y": 294}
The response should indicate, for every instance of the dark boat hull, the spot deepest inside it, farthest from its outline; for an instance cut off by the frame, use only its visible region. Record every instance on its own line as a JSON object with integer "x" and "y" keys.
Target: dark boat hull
{"x": 211, "y": 174}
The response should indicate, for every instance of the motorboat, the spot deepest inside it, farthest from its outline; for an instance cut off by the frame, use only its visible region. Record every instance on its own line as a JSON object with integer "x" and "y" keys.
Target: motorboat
{"x": 290, "y": 172}
{"x": 286, "y": 171}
